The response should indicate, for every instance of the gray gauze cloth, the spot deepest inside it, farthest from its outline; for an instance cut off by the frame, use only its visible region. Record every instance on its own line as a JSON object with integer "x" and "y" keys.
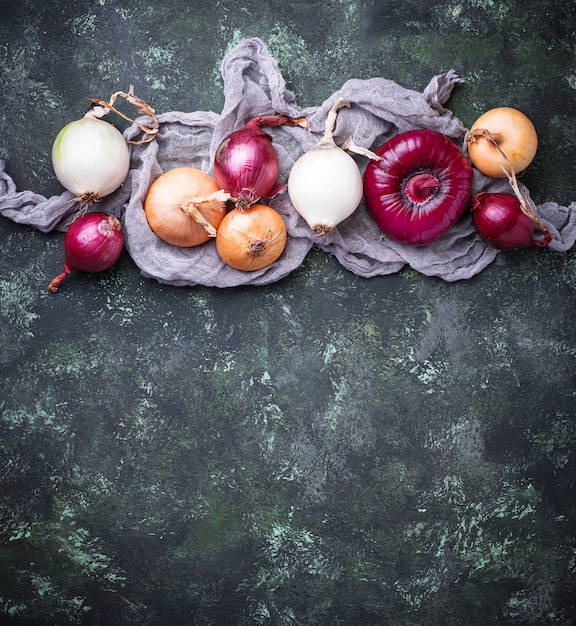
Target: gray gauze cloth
{"x": 254, "y": 86}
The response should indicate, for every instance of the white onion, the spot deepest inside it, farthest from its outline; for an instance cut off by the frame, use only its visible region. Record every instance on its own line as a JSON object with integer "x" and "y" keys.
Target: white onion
{"x": 325, "y": 184}
{"x": 90, "y": 158}
{"x": 325, "y": 187}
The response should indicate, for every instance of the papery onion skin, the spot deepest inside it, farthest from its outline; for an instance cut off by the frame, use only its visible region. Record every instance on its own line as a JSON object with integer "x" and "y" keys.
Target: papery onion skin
{"x": 501, "y": 223}
{"x": 90, "y": 158}
{"x": 92, "y": 243}
{"x": 510, "y": 132}
{"x": 246, "y": 164}
{"x": 251, "y": 239}
{"x": 171, "y": 197}
{"x": 420, "y": 188}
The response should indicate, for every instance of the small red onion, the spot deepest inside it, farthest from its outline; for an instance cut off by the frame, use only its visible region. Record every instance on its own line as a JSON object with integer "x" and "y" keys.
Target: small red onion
{"x": 92, "y": 243}
{"x": 246, "y": 164}
{"x": 501, "y": 223}
{"x": 420, "y": 187}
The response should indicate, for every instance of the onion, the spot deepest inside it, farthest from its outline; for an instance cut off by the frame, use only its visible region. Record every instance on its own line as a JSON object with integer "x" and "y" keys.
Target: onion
{"x": 250, "y": 239}
{"x": 501, "y": 138}
{"x": 325, "y": 183}
{"x": 184, "y": 206}
{"x": 246, "y": 164}
{"x": 501, "y": 223}
{"x": 92, "y": 243}
{"x": 90, "y": 158}
{"x": 419, "y": 188}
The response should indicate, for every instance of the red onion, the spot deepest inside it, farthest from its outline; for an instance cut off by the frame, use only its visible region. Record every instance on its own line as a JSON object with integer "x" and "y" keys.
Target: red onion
{"x": 92, "y": 243}
{"x": 501, "y": 223}
{"x": 246, "y": 164}
{"x": 419, "y": 188}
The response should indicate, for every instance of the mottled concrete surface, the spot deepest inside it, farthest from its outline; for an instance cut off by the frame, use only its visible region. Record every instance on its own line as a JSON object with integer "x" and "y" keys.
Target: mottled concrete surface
{"x": 325, "y": 450}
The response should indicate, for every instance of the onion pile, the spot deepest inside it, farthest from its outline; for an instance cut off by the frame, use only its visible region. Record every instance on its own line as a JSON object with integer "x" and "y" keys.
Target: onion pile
{"x": 501, "y": 143}
{"x": 92, "y": 243}
{"x": 419, "y": 188}
{"x": 185, "y": 207}
{"x": 416, "y": 186}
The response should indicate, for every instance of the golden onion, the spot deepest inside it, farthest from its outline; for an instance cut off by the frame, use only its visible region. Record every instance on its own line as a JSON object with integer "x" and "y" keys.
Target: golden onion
{"x": 184, "y": 206}
{"x": 500, "y": 137}
{"x": 250, "y": 239}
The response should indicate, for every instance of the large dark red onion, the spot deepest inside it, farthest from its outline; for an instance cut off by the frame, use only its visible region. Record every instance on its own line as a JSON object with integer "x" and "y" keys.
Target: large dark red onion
{"x": 420, "y": 187}
{"x": 501, "y": 223}
{"x": 246, "y": 164}
{"x": 92, "y": 243}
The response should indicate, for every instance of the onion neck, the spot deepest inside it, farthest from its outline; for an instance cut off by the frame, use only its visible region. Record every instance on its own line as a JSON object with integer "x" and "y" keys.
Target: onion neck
{"x": 277, "y": 120}
{"x": 494, "y": 138}
{"x": 191, "y": 209}
{"x": 190, "y": 206}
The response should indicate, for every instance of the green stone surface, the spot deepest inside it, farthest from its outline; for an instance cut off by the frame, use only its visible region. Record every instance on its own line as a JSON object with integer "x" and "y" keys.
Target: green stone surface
{"x": 325, "y": 450}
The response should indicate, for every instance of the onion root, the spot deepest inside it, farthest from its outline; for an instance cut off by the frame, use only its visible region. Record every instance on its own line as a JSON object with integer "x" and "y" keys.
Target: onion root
{"x": 257, "y": 245}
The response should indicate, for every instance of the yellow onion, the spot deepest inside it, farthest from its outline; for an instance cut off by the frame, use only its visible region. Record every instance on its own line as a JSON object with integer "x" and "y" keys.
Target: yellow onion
{"x": 250, "y": 239}
{"x": 501, "y": 138}
{"x": 184, "y": 206}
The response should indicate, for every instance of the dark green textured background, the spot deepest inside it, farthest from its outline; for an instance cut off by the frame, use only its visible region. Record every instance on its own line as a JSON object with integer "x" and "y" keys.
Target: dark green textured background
{"x": 325, "y": 450}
